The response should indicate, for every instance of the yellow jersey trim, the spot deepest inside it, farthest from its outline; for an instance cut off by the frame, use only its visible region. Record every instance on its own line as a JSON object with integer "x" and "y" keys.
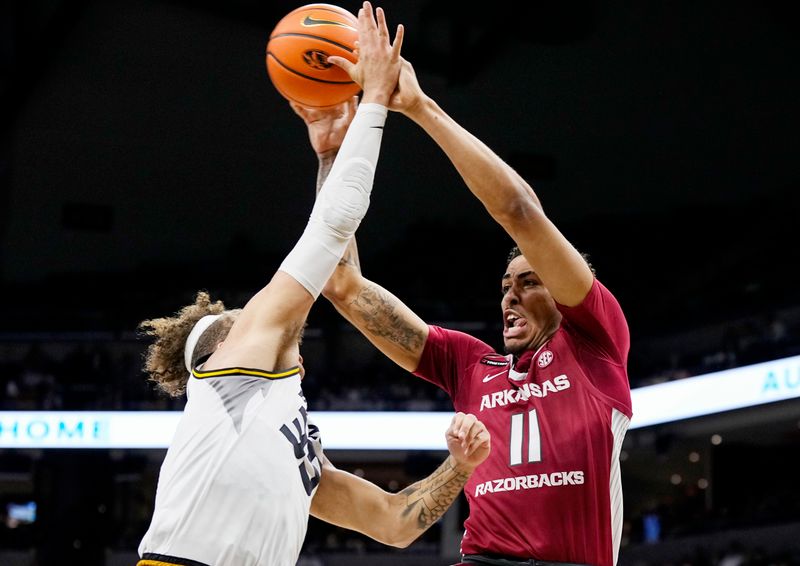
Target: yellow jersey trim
{"x": 153, "y": 559}
{"x": 246, "y": 371}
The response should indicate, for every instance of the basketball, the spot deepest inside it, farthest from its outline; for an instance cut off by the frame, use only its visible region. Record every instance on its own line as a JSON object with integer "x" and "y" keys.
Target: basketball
{"x": 298, "y": 50}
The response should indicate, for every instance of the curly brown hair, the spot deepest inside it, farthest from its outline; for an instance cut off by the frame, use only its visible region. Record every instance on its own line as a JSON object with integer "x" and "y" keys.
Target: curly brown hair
{"x": 164, "y": 359}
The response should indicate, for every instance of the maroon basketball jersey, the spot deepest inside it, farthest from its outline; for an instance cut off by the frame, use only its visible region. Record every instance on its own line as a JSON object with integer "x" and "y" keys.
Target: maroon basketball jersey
{"x": 551, "y": 488}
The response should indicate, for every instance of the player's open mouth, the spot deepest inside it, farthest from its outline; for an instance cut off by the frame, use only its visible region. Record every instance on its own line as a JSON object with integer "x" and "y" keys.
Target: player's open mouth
{"x": 513, "y": 325}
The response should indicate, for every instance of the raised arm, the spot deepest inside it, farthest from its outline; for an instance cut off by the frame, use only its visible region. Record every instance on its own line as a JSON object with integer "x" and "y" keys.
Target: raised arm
{"x": 389, "y": 324}
{"x": 380, "y": 316}
{"x": 507, "y": 197}
{"x": 397, "y": 519}
{"x": 270, "y": 322}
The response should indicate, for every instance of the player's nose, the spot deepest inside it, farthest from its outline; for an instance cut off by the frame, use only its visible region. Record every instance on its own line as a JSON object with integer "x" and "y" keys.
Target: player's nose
{"x": 510, "y": 298}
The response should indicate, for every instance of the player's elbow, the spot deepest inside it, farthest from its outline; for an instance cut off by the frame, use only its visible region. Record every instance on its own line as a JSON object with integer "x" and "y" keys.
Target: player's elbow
{"x": 403, "y": 529}
{"x": 518, "y": 211}
{"x": 393, "y": 527}
{"x": 335, "y": 289}
{"x": 400, "y": 540}
{"x": 342, "y": 287}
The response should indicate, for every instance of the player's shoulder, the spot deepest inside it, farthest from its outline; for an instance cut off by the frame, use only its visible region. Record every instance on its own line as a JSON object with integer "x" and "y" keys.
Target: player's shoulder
{"x": 459, "y": 338}
{"x": 470, "y": 350}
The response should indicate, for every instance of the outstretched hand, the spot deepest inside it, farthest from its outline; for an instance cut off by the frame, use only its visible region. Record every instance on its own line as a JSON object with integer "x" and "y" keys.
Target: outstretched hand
{"x": 378, "y": 66}
{"x": 468, "y": 441}
{"x": 408, "y": 95}
{"x": 327, "y": 126}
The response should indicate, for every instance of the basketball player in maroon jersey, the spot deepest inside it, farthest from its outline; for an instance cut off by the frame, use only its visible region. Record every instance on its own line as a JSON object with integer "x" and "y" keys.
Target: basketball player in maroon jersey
{"x": 557, "y": 403}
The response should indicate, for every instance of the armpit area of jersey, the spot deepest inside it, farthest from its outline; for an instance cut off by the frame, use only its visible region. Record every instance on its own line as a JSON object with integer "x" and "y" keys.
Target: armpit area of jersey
{"x": 150, "y": 559}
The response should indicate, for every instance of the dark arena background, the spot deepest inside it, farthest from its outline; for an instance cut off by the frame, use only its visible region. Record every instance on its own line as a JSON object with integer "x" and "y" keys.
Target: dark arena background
{"x": 145, "y": 155}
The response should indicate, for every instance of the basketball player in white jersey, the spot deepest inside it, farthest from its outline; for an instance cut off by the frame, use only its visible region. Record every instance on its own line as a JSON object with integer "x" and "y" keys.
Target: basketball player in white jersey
{"x": 237, "y": 483}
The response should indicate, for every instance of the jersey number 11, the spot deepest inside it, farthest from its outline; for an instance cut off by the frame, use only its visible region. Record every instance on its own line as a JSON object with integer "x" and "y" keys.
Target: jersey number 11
{"x": 518, "y": 437}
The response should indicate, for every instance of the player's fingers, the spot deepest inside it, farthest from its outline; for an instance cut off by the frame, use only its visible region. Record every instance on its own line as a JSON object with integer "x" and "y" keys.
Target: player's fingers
{"x": 309, "y": 115}
{"x": 475, "y": 429}
{"x": 366, "y": 17}
{"x": 455, "y": 424}
{"x": 382, "y": 25}
{"x": 466, "y": 425}
{"x": 346, "y": 65}
{"x": 380, "y": 22}
{"x": 398, "y": 40}
{"x": 481, "y": 440}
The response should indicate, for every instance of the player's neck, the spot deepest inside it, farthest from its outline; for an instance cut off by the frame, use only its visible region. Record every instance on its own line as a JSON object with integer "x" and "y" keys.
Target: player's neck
{"x": 523, "y": 359}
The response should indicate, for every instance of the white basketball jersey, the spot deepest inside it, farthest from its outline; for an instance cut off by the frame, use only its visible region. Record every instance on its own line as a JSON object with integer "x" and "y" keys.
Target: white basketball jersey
{"x": 236, "y": 485}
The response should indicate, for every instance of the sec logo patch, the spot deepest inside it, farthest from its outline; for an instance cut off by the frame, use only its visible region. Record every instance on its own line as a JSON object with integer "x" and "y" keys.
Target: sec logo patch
{"x": 544, "y": 359}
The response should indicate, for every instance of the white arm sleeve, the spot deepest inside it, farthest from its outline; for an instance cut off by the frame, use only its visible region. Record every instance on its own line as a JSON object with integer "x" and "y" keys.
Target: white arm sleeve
{"x": 341, "y": 203}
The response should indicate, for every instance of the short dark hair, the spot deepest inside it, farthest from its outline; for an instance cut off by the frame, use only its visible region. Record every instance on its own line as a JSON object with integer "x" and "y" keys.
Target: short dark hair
{"x": 516, "y": 252}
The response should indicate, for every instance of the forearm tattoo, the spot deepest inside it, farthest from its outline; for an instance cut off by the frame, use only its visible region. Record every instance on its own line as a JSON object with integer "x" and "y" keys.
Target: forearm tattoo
{"x": 378, "y": 310}
{"x": 430, "y": 498}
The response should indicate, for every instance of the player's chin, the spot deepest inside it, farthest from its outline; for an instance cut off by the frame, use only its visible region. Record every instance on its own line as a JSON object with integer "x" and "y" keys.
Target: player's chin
{"x": 514, "y": 346}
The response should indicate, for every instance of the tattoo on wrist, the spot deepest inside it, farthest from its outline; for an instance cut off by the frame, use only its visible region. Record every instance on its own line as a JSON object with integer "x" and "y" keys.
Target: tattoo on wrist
{"x": 431, "y": 497}
{"x": 378, "y": 309}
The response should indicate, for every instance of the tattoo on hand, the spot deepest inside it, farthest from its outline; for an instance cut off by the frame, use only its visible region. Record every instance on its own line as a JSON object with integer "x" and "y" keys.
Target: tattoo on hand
{"x": 431, "y": 497}
{"x": 378, "y": 310}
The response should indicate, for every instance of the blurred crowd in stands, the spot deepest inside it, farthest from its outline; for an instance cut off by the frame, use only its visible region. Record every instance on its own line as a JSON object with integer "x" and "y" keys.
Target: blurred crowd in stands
{"x": 739, "y": 343}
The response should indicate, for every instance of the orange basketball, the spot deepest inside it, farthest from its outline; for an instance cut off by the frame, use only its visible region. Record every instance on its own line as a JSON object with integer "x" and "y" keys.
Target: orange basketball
{"x": 298, "y": 50}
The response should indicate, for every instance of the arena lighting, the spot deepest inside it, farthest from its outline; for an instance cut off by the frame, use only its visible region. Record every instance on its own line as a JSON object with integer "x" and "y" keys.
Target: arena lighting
{"x": 656, "y": 404}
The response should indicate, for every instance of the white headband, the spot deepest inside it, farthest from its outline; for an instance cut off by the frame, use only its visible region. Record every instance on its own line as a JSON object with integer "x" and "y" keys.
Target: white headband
{"x": 201, "y": 326}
